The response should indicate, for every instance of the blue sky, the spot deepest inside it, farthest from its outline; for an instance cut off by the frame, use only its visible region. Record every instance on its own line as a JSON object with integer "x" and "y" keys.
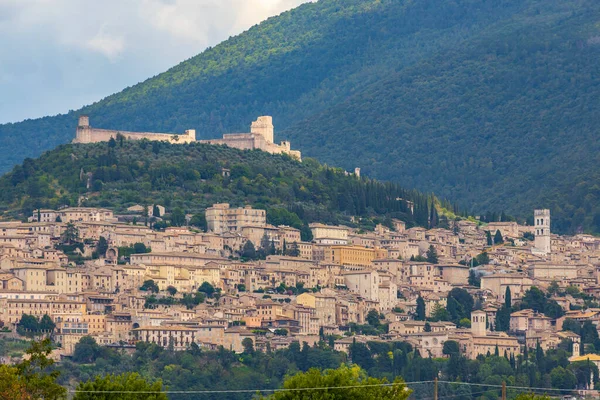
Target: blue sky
{"x": 57, "y": 55}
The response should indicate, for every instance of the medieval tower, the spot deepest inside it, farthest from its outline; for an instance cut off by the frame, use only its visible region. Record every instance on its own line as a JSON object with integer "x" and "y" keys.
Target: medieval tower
{"x": 542, "y": 231}
{"x": 478, "y": 323}
{"x": 263, "y": 126}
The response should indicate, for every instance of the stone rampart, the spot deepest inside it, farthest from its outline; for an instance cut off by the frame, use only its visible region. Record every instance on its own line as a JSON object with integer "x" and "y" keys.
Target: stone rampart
{"x": 87, "y": 134}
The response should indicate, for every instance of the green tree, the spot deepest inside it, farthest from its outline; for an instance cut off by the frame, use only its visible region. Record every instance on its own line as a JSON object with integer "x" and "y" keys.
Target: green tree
{"x": 28, "y": 325}
{"x": 483, "y": 258}
{"x": 553, "y": 310}
{"x": 507, "y": 298}
{"x": 572, "y": 290}
{"x": 102, "y": 246}
{"x": 439, "y": 313}
{"x": 464, "y": 323}
{"x": 12, "y": 385}
{"x": 150, "y": 285}
{"x": 562, "y": 378}
{"x": 172, "y": 290}
{"x": 294, "y": 250}
{"x": 178, "y": 217}
{"x": 199, "y": 220}
{"x": 498, "y": 239}
{"x": 474, "y": 278}
{"x": 553, "y": 288}
{"x": 248, "y": 345}
{"x": 46, "y": 324}
{"x": 571, "y": 325}
{"x": 432, "y": 256}
{"x": 459, "y": 304}
{"x": 420, "y": 310}
{"x": 353, "y": 383}
{"x": 533, "y": 298}
{"x": 207, "y": 289}
{"x": 373, "y": 318}
{"x": 86, "y": 350}
{"x": 427, "y": 327}
{"x": 38, "y": 374}
{"x": 532, "y": 396}
{"x": 451, "y": 348}
{"x": 129, "y": 382}
{"x": 502, "y": 319}
{"x": 249, "y": 251}
{"x": 71, "y": 234}
{"x": 140, "y": 248}
{"x": 489, "y": 239}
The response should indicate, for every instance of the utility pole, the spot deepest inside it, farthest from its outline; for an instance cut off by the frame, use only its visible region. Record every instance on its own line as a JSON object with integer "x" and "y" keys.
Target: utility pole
{"x": 435, "y": 389}
{"x": 503, "y": 390}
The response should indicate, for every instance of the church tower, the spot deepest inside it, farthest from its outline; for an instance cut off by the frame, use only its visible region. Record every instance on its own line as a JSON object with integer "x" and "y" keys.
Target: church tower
{"x": 542, "y": 231}
{"x": 478, "y": 323}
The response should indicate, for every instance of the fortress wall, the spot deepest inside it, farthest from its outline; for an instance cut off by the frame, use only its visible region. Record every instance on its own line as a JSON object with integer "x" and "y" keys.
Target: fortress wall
{"x": 249, "y": 141}
{"x": 238, "y": 141}
{"x": 94, "y": 135}
{"x": 283, "y": 148}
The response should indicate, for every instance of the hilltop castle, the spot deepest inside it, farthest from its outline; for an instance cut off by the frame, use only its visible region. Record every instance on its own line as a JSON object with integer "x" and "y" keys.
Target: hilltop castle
{"x": 259, "y": 138}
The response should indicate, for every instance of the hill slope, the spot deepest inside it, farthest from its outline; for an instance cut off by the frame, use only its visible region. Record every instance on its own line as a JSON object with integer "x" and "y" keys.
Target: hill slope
{"x": 490, "y": 102}
{"x": 190, "y": 177}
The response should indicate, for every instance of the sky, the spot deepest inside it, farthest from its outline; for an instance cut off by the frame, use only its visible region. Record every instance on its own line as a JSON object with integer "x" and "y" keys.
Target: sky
{"x": 58, "y": 55}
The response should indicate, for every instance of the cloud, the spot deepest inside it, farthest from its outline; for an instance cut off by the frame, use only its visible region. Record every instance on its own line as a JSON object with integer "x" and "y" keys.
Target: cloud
{"x": 74, "y": 52}
{"x": 105, "y": 44}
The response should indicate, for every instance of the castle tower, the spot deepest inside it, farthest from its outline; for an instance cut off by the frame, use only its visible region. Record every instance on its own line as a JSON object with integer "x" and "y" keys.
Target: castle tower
{"x": 83, "y": 133}
{"x": 84, "y": 121}
{"x": 478, "y": 323}
{"x": 263, "y": 126}
{"x": 191, "y": 134}
{"x": 357, "y": 172}
{"x": 542, "y": 231}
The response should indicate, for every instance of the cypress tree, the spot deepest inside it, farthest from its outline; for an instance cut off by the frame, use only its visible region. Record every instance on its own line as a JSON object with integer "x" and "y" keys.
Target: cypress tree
{"x": 508, "y": 298}
{"x": 498, "y": 237}
{"x": 420, "y": 311}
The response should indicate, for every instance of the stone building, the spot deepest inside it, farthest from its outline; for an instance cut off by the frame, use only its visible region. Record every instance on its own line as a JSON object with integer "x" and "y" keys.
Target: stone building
{"x": 221, "y": 218}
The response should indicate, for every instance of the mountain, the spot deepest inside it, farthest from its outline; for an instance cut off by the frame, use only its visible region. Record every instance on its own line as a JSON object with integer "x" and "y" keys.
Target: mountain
{"x": 191, "y": 177}
{"x": 490, "y": 103}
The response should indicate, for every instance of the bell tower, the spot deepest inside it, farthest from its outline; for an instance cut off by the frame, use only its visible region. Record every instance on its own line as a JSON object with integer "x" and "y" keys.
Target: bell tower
{"x": 542, "y": 231}
{"x": 478, "y": 323}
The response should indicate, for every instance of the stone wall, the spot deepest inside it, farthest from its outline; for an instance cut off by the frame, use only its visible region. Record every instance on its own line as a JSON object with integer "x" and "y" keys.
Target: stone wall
{"x": 94, "y": 135}
{"x": 87, "y": 134}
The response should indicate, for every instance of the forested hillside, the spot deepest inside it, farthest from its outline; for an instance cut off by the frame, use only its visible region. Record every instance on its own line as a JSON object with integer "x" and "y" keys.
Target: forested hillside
{"x": 490, "y": 103}
{"x": 190, "y": 177}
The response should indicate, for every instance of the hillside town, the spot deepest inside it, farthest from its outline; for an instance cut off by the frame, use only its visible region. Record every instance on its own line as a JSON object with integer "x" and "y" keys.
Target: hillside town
{"x": 94, "y": 273}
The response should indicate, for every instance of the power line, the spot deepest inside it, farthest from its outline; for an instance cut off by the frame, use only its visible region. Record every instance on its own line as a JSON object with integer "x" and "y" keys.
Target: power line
{"x": 408, "y": 384}
{"x": 252, "y": 390}
{"x": 516, "y": 387}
